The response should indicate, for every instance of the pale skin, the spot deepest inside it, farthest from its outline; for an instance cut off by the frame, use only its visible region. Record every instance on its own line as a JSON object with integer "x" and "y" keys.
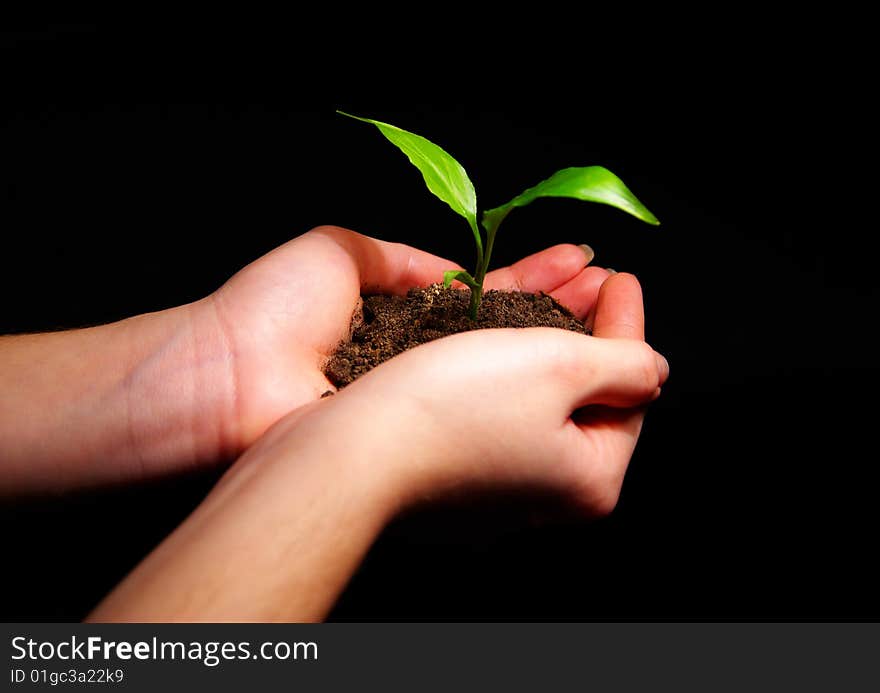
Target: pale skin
{"x": 238, "y": 374}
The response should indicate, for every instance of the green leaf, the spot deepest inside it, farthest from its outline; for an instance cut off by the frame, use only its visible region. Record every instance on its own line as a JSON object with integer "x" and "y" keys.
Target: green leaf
{"x": 460, "y": 276}
{"x": 589, "y": 183}
{"x": 444, "y": 176}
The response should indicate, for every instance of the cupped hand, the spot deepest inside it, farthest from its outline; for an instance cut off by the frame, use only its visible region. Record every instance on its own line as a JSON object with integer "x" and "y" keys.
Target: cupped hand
{"x": 537, "y": 408}
{"x": 282, "y": 315}
{"x": 534, "y": 408}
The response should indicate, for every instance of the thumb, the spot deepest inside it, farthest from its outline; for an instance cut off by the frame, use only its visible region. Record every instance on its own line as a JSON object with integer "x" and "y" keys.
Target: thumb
{"x": 613, "y": 372}
{"x": 387, "y": 267}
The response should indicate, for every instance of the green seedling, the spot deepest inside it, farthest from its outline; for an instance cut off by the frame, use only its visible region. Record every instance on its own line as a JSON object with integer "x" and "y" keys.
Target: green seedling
{"x": 447, "y": 179}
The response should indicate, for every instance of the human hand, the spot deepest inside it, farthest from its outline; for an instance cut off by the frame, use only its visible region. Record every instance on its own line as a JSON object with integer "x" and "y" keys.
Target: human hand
{"x": 281, "y": 534}
{"x": 538, "y": 409}
{"x": 281, "y": 317}
{"x": 196, "y": 384}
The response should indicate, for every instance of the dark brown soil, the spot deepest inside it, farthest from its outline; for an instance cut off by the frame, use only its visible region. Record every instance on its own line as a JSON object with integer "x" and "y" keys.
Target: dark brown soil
{"x": 392, "y": 324}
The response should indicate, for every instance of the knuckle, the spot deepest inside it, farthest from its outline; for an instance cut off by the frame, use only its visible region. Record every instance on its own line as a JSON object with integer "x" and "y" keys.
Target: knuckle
{"x": 599, "y": 496}
{"x": 646, "y": 368}
{"x": 511, "y": 279}
{"x": 605, "y": 502}
{"x": 335, "y": 232}
{"x": 597, "y": 481}
{"x": 561, "y": 354}
{"x": 607, "y": 487}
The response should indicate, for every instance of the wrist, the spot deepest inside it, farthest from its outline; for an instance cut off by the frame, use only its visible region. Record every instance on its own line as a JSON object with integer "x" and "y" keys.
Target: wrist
{"x": 394, "y": 450}
{"x": 180, "y": 389}
{"x": 359, "y": 447}
{"x": 289, "y": 524}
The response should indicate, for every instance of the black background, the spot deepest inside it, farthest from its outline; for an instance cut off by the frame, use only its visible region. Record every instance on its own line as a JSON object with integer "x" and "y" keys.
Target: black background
{"x": 144, "y": 163}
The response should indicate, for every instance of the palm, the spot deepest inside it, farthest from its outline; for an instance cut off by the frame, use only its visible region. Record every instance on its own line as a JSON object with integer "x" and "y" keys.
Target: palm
{"x": 284, "y": 313}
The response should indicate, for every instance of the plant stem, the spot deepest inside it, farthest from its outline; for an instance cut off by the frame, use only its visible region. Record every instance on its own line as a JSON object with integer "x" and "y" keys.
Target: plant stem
{"x": 483, "y": 259}
{"x": 476, "y": 296}
{"x": 476, "y": 231}
{"x": 484, "y": 267}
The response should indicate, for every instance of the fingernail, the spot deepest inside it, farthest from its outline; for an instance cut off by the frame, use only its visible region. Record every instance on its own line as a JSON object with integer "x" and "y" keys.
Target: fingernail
{"x": 588, "y": 251}
{"x": 610, "y": 271}
{"x": 662, "y": 366}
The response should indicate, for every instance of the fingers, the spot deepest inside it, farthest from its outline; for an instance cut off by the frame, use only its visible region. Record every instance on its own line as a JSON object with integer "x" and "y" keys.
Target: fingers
{"x": 395, "y": 267}
{"x": 580, "y": 293}
{"x": 544, "y": 271}
{"x": 388, "y": 267}
{"x": 619, "y": 308}
{"x": 615, "y": 372}
{"x": 600, "y": 443}
{"x": 620, "y": 313}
